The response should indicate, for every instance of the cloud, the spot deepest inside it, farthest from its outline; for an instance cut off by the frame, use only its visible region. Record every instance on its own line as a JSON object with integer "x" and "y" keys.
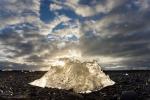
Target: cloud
{"x": 13, "y": 12}
{"x": 89, "y": 8}
{"x": 54, "y": 7}
{"x": 23, "y": 36}
{"x": 116, "y": 32}
{"x": 123, "y": 32}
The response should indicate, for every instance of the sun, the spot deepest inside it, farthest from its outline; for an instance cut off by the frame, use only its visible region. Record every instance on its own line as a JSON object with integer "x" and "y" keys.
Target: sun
{"x": 74, "y": 54}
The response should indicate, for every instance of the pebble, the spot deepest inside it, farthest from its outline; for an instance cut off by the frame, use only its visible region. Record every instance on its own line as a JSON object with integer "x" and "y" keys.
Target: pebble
{"x": 128, "y": 95}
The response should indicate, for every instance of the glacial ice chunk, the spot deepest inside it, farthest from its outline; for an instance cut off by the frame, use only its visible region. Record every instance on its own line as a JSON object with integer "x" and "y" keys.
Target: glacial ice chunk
{"x": 82, "y": 77}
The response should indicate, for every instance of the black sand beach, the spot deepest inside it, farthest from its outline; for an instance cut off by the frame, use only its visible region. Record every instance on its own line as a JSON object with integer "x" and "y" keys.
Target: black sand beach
{"x": 130, "y": 85}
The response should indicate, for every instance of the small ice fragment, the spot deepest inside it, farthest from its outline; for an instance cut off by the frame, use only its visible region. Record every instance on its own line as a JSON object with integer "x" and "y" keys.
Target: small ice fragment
{"x": 126, "y": 74}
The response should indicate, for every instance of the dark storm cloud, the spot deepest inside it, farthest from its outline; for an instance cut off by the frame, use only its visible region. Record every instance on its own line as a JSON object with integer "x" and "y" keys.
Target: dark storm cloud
{"x": 118, "y": 45}
{"x": 127, "y": 35}
{"x": 10, "y": 36}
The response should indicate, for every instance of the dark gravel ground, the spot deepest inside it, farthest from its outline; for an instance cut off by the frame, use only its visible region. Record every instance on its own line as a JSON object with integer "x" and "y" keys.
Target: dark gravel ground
{"x": 130, "y": 85}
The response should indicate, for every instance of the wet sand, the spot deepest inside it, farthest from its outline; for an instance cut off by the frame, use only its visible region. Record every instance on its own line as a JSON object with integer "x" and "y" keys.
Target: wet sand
{"x": 130, "y": 85}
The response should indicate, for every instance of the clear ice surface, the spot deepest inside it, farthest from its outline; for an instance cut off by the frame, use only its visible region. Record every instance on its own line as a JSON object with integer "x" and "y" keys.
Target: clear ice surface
{"x": 82, "y": 77}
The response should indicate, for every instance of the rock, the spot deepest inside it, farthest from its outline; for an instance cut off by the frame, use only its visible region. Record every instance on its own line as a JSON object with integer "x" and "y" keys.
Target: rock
{"x": 147, "y": 99}
{"x": 148, "y": 80}
{"x": 115, "y": 97}
{"x": 128, "y": 95}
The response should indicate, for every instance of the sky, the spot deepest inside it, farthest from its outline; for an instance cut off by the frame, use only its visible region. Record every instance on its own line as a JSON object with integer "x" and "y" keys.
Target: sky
{"x": 114, "y": 32}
